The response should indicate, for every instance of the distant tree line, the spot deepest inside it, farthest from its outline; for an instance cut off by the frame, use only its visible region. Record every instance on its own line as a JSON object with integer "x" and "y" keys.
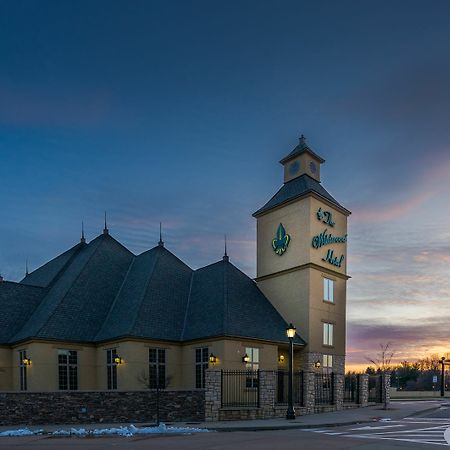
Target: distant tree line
{"x": 419, "y": 375}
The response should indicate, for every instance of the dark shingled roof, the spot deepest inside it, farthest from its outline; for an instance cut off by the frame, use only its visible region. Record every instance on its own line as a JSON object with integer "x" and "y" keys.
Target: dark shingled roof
{"x": 76, "y": 305}
{"x": 17, "y": 303}
{"x": 296, "y": 188}
{"x": 45, "y": 274}
{"x": 100, "y": 291}
{"x": 152, "y": 301}
{"x": 226, "y": 302}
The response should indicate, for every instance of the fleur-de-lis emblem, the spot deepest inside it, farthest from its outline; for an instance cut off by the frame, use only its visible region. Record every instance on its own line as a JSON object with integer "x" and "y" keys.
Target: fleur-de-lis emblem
{"x": 281, "y": 241}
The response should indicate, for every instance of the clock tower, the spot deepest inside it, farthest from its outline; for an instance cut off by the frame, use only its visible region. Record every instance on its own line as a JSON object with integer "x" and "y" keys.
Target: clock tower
{"x": 302, "y": 259}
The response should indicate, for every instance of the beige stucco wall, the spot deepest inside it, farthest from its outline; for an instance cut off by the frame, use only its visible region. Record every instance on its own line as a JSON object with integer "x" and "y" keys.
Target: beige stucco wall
{"x": 293, "y": 282}
{"x": 5, "y": 369}
{"x": 132, "y": 374}
{"x": 42, "y": 374}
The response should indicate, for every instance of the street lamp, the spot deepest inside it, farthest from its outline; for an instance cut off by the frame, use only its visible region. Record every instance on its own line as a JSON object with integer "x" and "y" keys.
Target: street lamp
{"x": 290, "y": 331}
{"x": 443, "y": 377}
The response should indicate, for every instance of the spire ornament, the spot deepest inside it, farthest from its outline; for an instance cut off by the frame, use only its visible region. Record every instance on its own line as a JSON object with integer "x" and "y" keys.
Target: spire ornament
{"x": 82, "y": 240}
{"x": 225, "y": 255}
{"x": 105, "y": 230}
{"x": 161, "y": 242}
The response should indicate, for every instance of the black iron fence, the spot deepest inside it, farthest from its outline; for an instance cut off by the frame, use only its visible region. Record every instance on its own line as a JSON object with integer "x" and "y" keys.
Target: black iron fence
{"x": 283, "y": 386}
{"x": 324, "y": 388}
{"x": 351, "y": 388}
{"x": 375, "y": 389}
{"x": 240, "y": 388}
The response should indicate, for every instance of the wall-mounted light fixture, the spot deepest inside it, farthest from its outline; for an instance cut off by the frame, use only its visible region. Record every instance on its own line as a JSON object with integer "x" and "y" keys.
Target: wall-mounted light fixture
{"x": 281, "y": 359}
{"x": 246, "y": 359}
{"x": 26, "y": 361}
{"x": 118, "y": 360}
{"x": 212, "y": 358}
{"x": 317, "y": 364}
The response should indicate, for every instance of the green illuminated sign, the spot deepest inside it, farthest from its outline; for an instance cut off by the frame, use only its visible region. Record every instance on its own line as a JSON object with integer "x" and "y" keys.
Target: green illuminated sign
{"x": 334, "y": 260}
{"x": 281, "y": 241}
{"x": 325, "y": 217}
{"x": 327, "y": 239}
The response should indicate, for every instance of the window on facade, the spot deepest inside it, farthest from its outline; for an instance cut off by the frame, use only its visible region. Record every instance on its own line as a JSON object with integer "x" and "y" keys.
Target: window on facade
{"x": 157, "y": 368}
{"x": 327, "y": 363}
{"x": 201, "y": 364}
{"x": 328, "y": 333}
{"x": 111, "y": 368}
{"x": 328, "y": 290}
{"x": 22, "y": 370}
{"x": 253, "y": 365}
{"x": 68, "y": 369}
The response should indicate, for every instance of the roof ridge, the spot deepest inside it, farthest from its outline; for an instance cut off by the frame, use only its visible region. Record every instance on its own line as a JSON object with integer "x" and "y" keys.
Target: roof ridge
{"x": 115, "y": 298}
{"x": 145, "y": 290}
{"x": 187, "y": 305}
{"x": 62, "y": 299}
{"x": 80, "y": 245}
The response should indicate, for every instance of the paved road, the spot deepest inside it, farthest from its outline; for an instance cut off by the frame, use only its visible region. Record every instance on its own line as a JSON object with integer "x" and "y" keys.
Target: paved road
{"x": 422, "y": 432}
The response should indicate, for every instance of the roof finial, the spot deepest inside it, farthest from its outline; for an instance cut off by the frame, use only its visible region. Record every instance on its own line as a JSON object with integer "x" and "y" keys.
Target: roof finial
{"x": 82, "y": 240}
{"x": 161, "y": 242}
{"x": 26, "y": 267}
{"x": 105, "y": 230}
{"x": 225, "y": 255}
{"x": 302, "y": 140}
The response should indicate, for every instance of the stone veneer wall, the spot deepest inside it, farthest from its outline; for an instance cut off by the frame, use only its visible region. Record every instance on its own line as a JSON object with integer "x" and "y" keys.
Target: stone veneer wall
{"x": 80, "y": 407}
{"x": 269, "y": 408}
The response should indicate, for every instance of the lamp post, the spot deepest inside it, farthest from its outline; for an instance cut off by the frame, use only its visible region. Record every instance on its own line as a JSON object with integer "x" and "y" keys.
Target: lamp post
{"x": 443, "y": 376}
{"x": 290, "y": 331}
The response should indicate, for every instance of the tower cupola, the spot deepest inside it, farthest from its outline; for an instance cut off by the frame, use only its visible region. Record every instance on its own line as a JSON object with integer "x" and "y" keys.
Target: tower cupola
{"x": 302, "y": 160}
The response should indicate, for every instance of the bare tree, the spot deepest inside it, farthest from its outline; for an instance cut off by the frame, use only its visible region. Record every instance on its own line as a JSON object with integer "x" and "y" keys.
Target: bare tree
{"x": 382, "y": 361}
{"x": 144, "y": 379}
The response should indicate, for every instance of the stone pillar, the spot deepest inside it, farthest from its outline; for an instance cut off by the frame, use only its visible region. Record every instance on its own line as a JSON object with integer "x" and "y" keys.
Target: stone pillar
{"x": 213, "y": 394}
{"x": 363, "y": 386}
{"x": 386, "y": 388}
{"x": 338, "y": 390}
{"x": 267, "y": 392}
{"x": 309, "y": 397}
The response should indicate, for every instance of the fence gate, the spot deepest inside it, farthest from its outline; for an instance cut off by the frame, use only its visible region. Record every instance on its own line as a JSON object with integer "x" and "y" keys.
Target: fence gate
{"x": 240, "y": 388}
{"x": 283, "y": 386}
{"x": 375, "y": 389}
{"x": 351, "y": 389}
{"x": 324, "y": 388}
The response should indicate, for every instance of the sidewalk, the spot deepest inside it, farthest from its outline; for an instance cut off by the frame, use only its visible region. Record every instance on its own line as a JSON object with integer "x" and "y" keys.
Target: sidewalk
{"x": 397, "y": 410}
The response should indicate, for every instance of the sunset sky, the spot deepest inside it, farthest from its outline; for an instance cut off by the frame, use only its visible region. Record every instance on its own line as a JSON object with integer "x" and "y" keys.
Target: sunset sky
{"x": 179, "y": 111}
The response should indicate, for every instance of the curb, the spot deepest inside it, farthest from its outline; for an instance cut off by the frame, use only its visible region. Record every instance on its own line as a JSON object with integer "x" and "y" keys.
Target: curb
{"x": 289, "y": 427}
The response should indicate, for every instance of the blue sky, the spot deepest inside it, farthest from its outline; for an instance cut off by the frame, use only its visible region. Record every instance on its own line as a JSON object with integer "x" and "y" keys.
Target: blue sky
{"x": 178, "y": 111}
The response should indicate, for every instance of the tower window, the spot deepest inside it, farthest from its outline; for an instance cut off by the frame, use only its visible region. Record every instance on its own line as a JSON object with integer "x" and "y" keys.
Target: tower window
{"x": 327, "y": 363}
{"x": 328, "y": 290}
{"x": 328, "y": 333}
{"x": 252, "y": 365}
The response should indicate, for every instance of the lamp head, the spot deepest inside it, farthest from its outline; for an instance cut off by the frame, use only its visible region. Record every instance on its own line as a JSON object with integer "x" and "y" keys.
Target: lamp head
{"x": 290, "y": 331}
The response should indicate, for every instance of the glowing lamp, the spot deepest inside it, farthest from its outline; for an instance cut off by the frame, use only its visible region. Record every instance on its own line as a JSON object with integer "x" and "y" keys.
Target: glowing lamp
{"x": 246, "y": 358}
{"x": 212, "y": 358}
{"x": 26, "y": 361}
{"x": 118, "y": 360}
{"x": 290, "y": 331}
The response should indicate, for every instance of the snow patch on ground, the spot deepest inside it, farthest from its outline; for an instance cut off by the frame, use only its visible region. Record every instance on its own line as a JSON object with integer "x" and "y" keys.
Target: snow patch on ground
{"x": 128, "y": 431}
